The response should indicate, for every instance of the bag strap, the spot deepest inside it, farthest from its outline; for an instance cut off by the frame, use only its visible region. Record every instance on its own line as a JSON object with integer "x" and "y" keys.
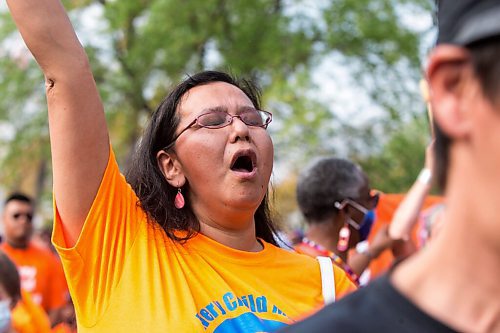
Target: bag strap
{"x": 327, "y": 279}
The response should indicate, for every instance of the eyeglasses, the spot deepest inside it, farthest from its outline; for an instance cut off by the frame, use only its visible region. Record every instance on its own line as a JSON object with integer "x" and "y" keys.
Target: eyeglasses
{"x": 218, "y": 119}
{"x": 17, "y": 216}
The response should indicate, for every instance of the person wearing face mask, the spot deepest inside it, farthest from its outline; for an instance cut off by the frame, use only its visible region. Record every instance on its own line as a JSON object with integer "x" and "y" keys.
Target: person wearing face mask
{"x": 335, "y": 198}
{"x": 18, "y": 313}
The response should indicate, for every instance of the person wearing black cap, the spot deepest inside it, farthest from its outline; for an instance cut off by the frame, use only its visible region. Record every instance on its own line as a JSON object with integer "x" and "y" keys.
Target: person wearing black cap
{"x": 452, "y": 285}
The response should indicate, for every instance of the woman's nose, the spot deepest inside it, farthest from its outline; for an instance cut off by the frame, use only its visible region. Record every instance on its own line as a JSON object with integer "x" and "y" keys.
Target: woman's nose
{"x": 240, "y": 130}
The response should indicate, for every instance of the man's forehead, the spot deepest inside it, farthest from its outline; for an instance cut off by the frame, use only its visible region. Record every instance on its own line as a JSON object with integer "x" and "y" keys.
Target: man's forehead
{"x": 18, "y": 204}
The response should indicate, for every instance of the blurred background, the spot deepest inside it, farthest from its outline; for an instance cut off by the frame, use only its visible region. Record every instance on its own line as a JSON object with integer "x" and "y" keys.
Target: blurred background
{"x": 341, "y": 77}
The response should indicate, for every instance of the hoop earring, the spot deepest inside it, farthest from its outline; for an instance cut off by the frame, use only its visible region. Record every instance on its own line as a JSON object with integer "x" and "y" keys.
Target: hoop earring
{"x": 179, "y": 199}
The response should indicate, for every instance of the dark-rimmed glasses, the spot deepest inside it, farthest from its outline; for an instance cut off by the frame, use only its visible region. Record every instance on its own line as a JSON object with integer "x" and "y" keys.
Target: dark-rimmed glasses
{"x": 217, "y": 119}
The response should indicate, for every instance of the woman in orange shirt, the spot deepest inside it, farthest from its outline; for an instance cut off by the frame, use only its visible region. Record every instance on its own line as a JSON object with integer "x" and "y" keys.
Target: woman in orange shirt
{"x": 186, "y": 243}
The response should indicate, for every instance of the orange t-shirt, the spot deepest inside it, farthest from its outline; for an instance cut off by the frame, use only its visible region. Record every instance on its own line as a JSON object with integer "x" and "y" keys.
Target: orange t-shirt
{"x": 388, "y": 203}
{"x": 29, "y": 317}
{"x": 126, "y": 275}
{"x": 41, "y": 275}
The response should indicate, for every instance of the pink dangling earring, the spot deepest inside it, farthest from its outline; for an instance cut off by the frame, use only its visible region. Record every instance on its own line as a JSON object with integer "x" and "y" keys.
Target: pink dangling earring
{"x": 179, "y": 199}
{"x": 344, "y": 236}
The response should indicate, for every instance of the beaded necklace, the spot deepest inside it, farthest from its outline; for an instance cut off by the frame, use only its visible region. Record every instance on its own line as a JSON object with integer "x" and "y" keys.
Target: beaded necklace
{"x": 336, "y": 259}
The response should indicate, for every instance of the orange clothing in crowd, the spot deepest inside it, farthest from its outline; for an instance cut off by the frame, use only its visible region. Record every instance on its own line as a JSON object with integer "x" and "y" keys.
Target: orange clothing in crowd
{"x": 126, "y": 275}
{"x": 29, "y": 317}
{"x": 387, "y": 205}
{"x": 41, "y": 275}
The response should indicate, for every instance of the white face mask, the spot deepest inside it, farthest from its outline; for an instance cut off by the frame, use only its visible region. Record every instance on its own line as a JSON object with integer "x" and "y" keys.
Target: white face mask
{"x": 5, "y": 317}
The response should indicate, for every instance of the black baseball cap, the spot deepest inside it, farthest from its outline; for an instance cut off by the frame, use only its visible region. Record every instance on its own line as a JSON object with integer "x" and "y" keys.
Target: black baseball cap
{"x": 464, "y": 22}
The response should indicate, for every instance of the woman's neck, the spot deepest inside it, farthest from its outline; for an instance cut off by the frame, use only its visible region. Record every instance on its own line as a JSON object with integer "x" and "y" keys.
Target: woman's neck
{"x": 239, "y": 239}
{"x": 232, "y": 228}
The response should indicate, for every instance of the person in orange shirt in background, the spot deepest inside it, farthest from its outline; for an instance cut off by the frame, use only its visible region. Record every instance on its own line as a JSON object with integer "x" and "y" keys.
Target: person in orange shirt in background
{"x": 18, "y": 313}
{"x": 40, "y": 270}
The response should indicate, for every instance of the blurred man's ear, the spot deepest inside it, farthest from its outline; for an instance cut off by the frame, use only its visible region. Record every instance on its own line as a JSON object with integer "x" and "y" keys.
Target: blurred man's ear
{"x": 450, "y": 75}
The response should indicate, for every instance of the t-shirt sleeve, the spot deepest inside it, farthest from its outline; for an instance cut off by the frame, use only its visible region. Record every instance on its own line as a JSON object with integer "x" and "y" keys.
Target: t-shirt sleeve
{"x": 343, "y": 285}
{"x": 94, "y": 265}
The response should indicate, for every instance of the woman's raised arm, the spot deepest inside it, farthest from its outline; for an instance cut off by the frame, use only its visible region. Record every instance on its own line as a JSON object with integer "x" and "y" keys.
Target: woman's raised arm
{"x": 78, "y": 132}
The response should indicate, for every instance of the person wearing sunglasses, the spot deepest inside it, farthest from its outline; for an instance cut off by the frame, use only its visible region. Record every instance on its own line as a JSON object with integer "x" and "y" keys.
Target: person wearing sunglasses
{"x": 334, "y": 196}
{"x": 41, "y": 272}
{"x": 184, "y": 243}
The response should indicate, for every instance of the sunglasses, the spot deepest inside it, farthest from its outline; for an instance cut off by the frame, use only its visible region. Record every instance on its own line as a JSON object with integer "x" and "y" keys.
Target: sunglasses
{"x": 28, "y": 216}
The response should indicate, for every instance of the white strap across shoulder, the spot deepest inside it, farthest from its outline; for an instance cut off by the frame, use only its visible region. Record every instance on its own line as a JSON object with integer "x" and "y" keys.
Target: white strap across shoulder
{"x": 327, "y": 279}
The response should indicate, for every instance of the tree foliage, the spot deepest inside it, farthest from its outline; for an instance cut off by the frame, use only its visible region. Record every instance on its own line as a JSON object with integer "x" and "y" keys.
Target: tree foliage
{"x": 396, "y": 167}
{"x": 139, "y": 48}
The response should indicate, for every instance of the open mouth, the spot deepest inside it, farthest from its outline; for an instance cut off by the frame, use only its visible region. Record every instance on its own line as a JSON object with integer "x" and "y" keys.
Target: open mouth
{"x": 243, "y": 162}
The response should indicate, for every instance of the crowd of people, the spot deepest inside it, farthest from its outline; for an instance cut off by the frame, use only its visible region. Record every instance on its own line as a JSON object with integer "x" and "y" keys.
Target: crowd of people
{"x": 184, "y": 241}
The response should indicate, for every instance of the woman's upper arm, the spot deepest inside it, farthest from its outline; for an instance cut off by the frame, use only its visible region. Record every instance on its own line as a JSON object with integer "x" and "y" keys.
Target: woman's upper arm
{"x": 78, "y": 131}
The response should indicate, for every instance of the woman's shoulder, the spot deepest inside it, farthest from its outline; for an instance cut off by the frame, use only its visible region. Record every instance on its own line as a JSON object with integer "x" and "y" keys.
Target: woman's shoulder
{"x": 291, "y": 254}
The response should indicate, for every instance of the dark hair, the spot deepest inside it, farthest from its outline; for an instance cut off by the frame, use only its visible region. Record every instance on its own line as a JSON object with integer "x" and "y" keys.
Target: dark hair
{"x": 486, "y": 65}
{"x": 18, "y": 196}
{"x": 156, "y": 195}
{"x": 323, "y": 183}
{"x": 9, "y": 278}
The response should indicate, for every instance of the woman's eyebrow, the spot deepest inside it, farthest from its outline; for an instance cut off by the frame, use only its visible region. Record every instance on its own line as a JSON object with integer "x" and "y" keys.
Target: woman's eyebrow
{"x": 245, "y": 108}
{"x": 223, "y": 108}
{"x": 219, "y": 108}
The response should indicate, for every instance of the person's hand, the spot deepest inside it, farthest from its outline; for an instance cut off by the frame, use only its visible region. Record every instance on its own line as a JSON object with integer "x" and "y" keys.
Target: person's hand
{"x": 380, "y": 242}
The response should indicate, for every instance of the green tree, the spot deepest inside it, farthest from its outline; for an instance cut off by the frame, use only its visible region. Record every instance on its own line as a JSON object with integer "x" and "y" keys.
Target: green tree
{"x": 396, "y": 167}
{"x": 138, "y": 49}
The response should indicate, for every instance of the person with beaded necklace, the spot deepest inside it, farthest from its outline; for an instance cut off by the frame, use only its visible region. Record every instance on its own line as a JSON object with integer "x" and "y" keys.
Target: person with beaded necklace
{"x": 335, "y": 198}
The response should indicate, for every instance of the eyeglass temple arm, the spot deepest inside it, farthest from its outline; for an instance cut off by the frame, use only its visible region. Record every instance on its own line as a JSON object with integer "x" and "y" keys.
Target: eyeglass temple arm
{"x": 167, "y": 147}
{"x": 345, "y": 202}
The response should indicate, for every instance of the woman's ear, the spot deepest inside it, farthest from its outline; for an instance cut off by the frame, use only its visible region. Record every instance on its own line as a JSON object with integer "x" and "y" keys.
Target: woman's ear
{"x": 171, "y": 168}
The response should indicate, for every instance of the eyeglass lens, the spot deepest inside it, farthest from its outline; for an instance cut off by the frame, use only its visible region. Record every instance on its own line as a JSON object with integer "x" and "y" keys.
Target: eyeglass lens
{"x": 221, "y": 119}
